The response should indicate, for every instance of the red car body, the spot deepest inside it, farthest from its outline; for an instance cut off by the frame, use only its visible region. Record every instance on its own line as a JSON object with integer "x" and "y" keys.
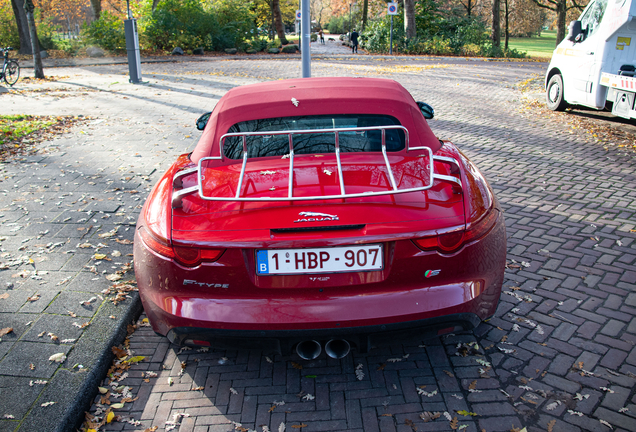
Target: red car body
{"x": 426, "y": 261}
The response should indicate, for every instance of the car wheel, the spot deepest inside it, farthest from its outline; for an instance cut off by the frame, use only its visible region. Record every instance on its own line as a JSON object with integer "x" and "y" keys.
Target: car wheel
{"x": 554, "y": 94}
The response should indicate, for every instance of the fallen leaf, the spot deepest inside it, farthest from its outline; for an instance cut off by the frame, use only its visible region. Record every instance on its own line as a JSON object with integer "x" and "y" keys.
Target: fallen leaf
{"x": 45, "y": 404}
{"x": 4, "y": 296}
{"x": 428, "y": 416}
{"x": 296, "y": 365}
{"x": 135, "y": 359}
{"x": 33, "y": 298}
{"x": 110, "y": 417}
{"x": 59, "y": 357}
{"x": 117, "y": 406}
{"x": 553, "y": 405}
{"x": 119, "y": 353}
{"x": 453, "y": 423}
{"x": 410, "y": 423}
{"x": 300, "y": 426}
{"x": 6, "y": 331}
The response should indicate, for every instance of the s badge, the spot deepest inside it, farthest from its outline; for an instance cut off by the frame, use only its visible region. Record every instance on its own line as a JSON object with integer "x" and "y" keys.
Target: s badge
{"x": 431, "y": 273}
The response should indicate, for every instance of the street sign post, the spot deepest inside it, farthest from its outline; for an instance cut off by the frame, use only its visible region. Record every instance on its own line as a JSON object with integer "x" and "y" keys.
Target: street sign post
{"x": 392, "y": 9}
{"x": 305, "y": 38}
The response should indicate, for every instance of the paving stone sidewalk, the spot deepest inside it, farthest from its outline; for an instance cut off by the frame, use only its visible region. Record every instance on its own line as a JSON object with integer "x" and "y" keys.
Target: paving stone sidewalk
{"x": 559, "y": 355}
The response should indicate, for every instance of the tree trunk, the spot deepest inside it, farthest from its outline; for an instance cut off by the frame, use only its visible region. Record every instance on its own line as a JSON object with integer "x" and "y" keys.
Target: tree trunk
{"x": 96, "y": 5}
{"x": 469, "y": 5}
{"x": 365, "y": 14}
{"x": 278, "y": 21}
{"x": 271, "y": 32}
{"x": 409, "y": 19}
{"x": 37, "y": 59}
{"x": 507, "y": 14}
{"x": 495, "y": 35}
{"x": 561, "y": 9}
{"x": 23, "y": 26}
{"x": 154, "y": 5}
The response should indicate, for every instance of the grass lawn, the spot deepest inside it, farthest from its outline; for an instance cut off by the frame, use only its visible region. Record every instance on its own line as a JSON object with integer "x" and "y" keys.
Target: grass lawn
{"x": 19, "y": 134}
{"x": 13, "y": 127}
{"x": 536, "y": 47}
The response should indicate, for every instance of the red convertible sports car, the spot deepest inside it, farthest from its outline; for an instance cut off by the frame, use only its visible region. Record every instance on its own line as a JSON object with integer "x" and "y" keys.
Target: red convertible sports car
{"x": 318, "y": 214}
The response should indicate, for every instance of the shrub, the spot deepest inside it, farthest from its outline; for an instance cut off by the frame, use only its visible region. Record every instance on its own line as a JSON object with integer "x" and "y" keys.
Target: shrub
{"x": 258, "y": 44}
{"x": 178, "y": 23}
{"x": 70, "y": 46}
{"x": 8, "y": 29}
{"x": 489, "y": 51}
{"x": 107, "y": 32}
{"x": 471, "y": 50}
{"x": 188, "y": 24}
{"x": 46, "y": 32}
{"x": 436, "y": 34}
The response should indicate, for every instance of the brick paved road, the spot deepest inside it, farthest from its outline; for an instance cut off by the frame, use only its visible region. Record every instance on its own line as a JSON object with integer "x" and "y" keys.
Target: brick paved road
{"x": 559, "y": 355}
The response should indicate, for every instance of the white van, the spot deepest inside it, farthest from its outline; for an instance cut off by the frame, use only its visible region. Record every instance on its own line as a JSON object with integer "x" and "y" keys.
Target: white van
{"x": 595, "y": 64}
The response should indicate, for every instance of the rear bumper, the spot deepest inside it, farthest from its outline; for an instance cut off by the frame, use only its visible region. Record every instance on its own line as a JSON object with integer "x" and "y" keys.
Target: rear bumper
{"x": 362, "y": 338}
{"x": 405, "y": 306}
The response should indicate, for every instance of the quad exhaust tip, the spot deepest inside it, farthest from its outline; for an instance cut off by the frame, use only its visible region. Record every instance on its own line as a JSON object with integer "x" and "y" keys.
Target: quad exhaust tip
{"x": 337, "y": 348}
{"x": 308, "y": 350}
{"x": 311, "y": 349}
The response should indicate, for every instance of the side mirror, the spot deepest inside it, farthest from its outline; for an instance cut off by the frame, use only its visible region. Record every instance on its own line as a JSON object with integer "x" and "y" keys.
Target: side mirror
{"x": 574, "y": 30}
{"x": 203, "y": 121}
{"x": 427, "y": 111}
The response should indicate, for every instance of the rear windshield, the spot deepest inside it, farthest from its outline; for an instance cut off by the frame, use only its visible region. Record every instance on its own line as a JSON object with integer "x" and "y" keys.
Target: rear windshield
{"x": 278, "y": 145}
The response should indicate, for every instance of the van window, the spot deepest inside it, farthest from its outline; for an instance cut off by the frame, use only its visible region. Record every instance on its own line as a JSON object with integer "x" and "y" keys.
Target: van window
{"x": 278, "y": 145}
{"x": 592, "y": 17}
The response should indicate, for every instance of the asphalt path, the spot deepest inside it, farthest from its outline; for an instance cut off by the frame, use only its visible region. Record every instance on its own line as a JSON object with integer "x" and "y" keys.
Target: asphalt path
{"x": 559, "y": 355}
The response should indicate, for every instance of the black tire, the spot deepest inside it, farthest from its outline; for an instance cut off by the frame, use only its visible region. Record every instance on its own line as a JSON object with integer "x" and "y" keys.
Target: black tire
{"x": 554, "y": 94}
{"x": 12, "y": 72}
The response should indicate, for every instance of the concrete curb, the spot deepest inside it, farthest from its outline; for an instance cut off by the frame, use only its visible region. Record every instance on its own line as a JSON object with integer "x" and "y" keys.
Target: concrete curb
{"x": 74, "y": 391}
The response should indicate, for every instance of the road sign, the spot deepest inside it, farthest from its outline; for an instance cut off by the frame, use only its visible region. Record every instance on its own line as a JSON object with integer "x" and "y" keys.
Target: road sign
{"x": 298, "y": 15}
{"x": 392, "y": 8}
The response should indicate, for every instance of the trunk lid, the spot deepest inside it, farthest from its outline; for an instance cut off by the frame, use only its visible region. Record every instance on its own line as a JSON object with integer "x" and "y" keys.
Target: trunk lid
{"x": 318, "y": 221}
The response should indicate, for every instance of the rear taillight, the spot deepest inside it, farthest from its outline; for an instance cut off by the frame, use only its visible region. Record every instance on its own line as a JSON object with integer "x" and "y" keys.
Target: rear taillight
{"x": 192, "y": 257}
{"x": 186, "y": 256}
{"x": 453, "y": 241}
{"x": 156, "y": 243}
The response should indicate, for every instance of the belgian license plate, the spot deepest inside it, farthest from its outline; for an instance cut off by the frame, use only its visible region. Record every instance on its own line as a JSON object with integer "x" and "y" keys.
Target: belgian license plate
{"x": 319, "y": 260}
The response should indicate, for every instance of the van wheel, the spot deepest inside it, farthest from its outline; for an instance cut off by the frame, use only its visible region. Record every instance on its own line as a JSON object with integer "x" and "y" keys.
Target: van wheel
{"x": 554, "y": 94}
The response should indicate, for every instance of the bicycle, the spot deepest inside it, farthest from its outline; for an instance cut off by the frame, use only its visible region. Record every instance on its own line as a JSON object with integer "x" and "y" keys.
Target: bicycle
{"x": 10, "y": 69}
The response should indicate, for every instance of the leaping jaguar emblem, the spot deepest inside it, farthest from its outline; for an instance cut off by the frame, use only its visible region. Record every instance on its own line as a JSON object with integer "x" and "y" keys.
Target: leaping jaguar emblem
{"x": 315, "y": 217}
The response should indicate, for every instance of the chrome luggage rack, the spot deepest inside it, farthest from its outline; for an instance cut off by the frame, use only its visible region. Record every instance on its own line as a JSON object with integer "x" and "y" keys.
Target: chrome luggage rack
{"x": 178, "y": 195}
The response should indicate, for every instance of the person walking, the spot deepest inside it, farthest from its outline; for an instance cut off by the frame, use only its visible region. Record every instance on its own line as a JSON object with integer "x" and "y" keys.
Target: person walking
{"x": 354, "y": 41}
{"x": 322, "y": 36}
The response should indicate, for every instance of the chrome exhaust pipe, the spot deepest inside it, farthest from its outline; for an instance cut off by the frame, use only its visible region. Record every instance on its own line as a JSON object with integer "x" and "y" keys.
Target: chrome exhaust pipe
{"x": 337, "y": 348}
{"x": 308, "y": 350}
